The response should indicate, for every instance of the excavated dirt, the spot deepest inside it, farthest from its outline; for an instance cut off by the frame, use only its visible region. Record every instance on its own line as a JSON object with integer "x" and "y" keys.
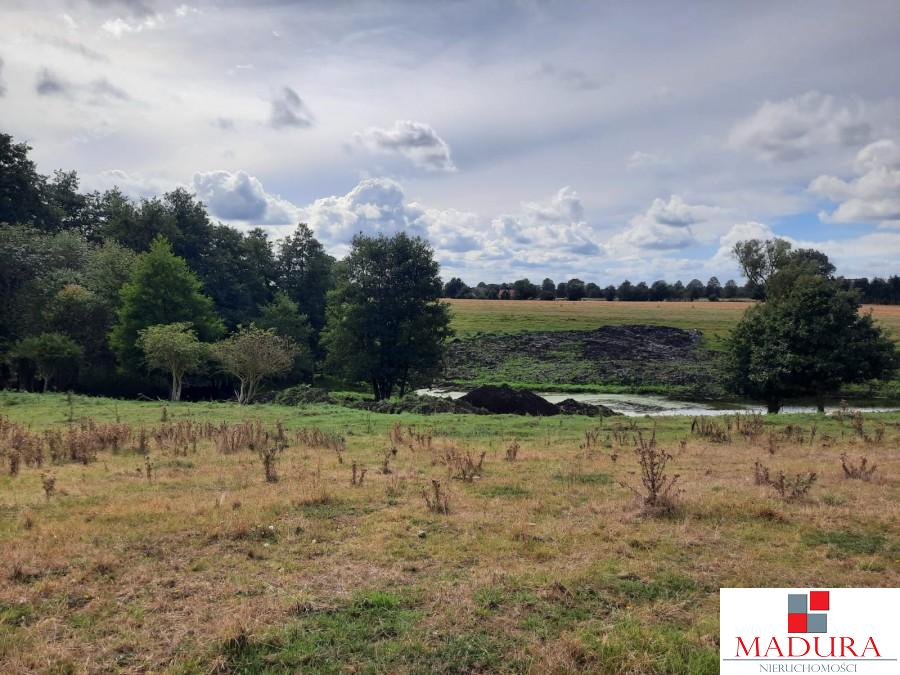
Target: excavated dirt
{"x": 505, "y": 400}
{"x": 629, "y": 355}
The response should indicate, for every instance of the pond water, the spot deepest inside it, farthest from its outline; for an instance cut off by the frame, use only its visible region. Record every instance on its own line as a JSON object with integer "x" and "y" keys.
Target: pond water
{"x": 639, "y": 404}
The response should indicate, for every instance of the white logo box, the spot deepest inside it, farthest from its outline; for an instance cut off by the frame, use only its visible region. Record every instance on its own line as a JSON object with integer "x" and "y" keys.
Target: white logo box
{"x": 859, "y": 633}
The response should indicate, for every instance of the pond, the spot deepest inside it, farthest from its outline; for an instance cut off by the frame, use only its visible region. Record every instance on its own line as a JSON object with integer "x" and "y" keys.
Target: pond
{"x": 635, "y": 405}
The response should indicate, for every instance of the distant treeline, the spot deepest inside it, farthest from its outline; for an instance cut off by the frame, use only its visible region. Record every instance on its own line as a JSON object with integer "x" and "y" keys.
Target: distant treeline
{"x": 878, "y": 291}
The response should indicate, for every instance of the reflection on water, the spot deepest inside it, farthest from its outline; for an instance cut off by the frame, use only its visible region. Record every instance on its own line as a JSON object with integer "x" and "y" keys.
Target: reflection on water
{"x": 640, "y": 404}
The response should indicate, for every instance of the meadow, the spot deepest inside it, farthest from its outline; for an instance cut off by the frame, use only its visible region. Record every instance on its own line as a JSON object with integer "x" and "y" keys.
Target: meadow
{"x": 150, "y": 540}
{"x": 714, "y": 319}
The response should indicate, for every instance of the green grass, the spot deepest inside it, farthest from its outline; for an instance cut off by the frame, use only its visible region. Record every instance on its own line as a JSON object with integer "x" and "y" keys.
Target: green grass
{"x": 544, "y": 564}
{"x": 714, "y": 319}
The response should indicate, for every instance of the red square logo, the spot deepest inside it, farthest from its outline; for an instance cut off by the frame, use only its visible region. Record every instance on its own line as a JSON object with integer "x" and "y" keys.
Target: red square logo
{"x": 796, "y": 623}
{"x": 819, "y": 601}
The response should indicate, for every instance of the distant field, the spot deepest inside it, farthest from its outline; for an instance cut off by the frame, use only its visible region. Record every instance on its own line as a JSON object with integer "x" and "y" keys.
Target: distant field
{"x": 714, "y": 319}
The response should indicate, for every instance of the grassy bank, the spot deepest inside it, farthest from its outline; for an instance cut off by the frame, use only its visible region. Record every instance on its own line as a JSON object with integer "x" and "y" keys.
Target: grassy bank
{"x": 543, "y": 564}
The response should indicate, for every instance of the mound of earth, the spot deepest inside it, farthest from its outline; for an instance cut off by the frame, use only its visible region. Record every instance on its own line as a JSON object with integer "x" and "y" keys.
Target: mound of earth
{"x": 506, "y": 400}
{"x": 303, "y": 394}
{"x": 570, "y": 406}
{"x": 420, "y": 405}
{"x": 632, "y": 355}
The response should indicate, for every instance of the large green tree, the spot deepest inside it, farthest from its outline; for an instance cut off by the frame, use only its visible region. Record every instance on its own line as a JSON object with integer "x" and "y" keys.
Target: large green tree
{"x": 806, "y": 341}
{"x": 304, "y": 272}
{"x": 160, "y": 290}
{"x": 386, "y": 324}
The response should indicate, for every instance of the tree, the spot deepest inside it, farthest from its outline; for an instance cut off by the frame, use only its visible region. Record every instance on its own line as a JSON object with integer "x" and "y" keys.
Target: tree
{"x": 808, "y": 341}
{"x": 695, "y": 289}
{"x": 575, "y": 289}
{"x": 22, "y": 199}
{"x": 238, "y": 273}
{"x": 713, "y": 289}
{"x": 524, "y": 290}
{"x": 386, "y": 324}
{"x": 625, "y": 292}
{"x": 252, "y": 354}
{"x": 592, "y": 290}
{"x": 730, "y": 289}
{"x": 548, "y": 290}
{"x": 561, "y": 289}
{"x": 760, "y": 259}
{"x": 660, "y": 290}
{"x": 160, "y": 290}
{"x": 283, "y": 316}
{"x": 172, "y": 347}
{"x": 455, "y": 288}
{"x": 609, "y": 293}
{"x": 304, "y": 272}
{"x": 50, "y": 353}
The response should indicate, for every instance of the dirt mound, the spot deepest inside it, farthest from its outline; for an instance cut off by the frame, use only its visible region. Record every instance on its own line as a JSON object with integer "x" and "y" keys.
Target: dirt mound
{"x": 420, "y": 405}
{"x": 570, "y": 406}
{"x": 631, "y": 355}
{"x": 506, "y": 400}
{"x": 640, "y": 343}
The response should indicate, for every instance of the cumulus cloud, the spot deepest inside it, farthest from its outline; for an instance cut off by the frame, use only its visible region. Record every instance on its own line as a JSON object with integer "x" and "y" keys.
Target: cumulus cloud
{"x": 665, "y": 225}
{"x": 416, "y": 141}
{"x": 374, "y": 206}
{"x": 874, "y": 195}
{"x": 548, "y": 229}
{"x": 544, "y": 233}
{"x": 739, "y": 232}
{"x": 798, "y": 127}
{"x": 289, "y": 110}
{"x": 239, "y": 196}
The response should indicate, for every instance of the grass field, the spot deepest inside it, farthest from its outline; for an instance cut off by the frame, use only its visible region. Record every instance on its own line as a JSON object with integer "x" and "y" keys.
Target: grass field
{"x": 714, "y": 319}
{"x": 543, "y": 564}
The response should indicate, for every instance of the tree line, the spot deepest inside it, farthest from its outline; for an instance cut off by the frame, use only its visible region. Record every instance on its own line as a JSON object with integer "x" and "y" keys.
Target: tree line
{"x": 110, "y": 295}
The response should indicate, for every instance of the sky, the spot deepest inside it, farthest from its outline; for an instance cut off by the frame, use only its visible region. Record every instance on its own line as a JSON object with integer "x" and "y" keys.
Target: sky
{"x": 599, "y": 140}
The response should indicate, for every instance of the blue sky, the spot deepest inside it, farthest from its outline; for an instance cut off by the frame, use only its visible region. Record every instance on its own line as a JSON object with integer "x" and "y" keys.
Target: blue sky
{"x": 601, "y": 140}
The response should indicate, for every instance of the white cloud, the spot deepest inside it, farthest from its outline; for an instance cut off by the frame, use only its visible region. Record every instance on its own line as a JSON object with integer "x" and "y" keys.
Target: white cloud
{"x": 239, "y": 196}
{"x": 118, "y": 27}
{"x": 874, "y": 195}
{"x": 416, "y": 141}
{"x": 665, "y": 225}
{"x": 374, "y": 206}
{"x": 801, "y": 126}
{"x": 739, "y": 232}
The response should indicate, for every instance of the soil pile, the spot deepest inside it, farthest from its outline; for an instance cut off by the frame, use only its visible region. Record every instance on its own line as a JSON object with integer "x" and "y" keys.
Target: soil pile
{"x": 632, "y": 355}
{"x": 420, "y": 405}
{"x": 506, "y": 400}
{"x": 572, "y": 407}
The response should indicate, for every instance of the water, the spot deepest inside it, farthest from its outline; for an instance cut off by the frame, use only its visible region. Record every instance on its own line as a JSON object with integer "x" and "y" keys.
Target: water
{"x": 634, "y": 405}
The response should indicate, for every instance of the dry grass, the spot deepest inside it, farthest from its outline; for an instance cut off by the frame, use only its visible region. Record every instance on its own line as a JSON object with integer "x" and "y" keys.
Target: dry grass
{"x": 544, "y": 563}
